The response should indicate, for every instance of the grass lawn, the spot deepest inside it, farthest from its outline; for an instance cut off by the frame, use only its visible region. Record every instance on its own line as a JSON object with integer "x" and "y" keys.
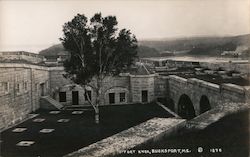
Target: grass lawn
{"x": 78, "y": 132}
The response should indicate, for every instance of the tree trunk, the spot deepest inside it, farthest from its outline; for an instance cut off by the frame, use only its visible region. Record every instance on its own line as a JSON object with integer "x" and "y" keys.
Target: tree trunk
{"x": 97, "y": 115}
{"x": 96, "y": 105}
{"x": 98, "y": 93}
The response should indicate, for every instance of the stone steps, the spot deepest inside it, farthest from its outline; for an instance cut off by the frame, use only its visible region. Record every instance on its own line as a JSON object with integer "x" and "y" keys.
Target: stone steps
{"x": 46, "y": 102}
{"x": 168, "y": 110}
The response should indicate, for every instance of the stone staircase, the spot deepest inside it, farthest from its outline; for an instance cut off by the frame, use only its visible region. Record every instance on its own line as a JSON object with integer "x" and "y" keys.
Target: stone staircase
{"x": 46, "y": 102}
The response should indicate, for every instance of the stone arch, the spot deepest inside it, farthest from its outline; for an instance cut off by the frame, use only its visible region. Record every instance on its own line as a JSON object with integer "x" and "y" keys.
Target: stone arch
{"x": 185, "y": 107}
{"x": 116, "y": 90}
{"x": 204, "y": 104}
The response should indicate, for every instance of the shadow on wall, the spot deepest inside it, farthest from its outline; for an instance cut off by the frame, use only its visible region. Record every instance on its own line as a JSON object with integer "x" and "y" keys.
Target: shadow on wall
{"x": 185, "y": 107}
{"x": 204, "y": 104}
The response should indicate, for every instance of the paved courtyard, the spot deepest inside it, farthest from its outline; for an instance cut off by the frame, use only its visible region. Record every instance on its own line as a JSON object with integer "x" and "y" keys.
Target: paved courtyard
{"x": 56, "y": 133}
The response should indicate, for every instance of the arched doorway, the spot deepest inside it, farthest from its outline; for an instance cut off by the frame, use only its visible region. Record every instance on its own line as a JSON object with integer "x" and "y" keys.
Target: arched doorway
{"x": 204, "y": 104}
{"x": 185, "y": 107}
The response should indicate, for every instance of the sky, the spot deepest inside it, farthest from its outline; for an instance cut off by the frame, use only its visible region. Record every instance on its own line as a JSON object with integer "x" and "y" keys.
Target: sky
{"x": 33, "y": 25}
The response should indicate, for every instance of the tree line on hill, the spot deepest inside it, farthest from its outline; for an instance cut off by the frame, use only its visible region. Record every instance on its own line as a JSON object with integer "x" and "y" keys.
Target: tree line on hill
{"x": 207, "y": 46}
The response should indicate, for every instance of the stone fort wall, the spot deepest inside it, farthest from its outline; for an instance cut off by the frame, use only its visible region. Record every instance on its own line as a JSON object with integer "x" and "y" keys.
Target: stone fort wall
{"x": 21, "y": 55}
{"x": 21, "y": 86}
{"x": 131, "y": 85}
{"x": 195, "y": 89}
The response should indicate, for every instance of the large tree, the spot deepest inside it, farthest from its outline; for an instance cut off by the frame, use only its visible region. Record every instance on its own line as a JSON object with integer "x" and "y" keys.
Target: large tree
{"x": 97, "y": 50}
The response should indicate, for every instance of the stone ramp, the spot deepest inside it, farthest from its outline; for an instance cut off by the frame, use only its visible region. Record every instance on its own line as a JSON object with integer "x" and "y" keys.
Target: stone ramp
{"x": 151, "y": 130}
{"x": 214, "y": 115}
{"x": 168, "y": 110}
{"x": 46, "y": 102}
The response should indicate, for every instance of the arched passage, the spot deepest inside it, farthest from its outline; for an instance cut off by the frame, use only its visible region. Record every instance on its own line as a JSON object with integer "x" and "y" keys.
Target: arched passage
{"x": 204, "y": 104}
{"x": 185, "y": 107}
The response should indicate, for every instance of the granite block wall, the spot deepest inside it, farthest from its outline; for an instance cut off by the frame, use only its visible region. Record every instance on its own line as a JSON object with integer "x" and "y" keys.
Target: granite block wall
{"x": 20, "y": 89}
{"x": 195, "y": 89}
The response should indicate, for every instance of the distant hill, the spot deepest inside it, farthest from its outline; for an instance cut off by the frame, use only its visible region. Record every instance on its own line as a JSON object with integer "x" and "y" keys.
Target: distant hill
{"x": 143, "y": 51}
{"x": 212, "y": 46}
{"x": 53, "y": 50}
{"x": 209, "y": 46}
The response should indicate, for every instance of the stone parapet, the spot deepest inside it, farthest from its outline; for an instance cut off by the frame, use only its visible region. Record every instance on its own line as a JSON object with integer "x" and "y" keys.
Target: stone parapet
{"x": 22, "y": 65}
{"x": 177, "y": 78}
{"x": 214, "y": 115}
{"x": 204, "y": 84}
{"x": 151, "y": 130}
{"x": 59, "y": 68}
{"x": 195, "y": 89}
{"x": 233, "y": 88}
{"x": 143, "y": 76}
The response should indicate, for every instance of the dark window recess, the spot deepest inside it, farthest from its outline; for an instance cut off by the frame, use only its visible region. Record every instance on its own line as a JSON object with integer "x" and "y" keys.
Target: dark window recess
{"x": 111, "y": 98}
{"x": 122, "y": 97}
{"x": 144, "y": 95}
{"x": 87, "y": 94}
{"x": 75, "y": 98}
{"x": 42, "y": 90}
{"x": 62, "y": 96}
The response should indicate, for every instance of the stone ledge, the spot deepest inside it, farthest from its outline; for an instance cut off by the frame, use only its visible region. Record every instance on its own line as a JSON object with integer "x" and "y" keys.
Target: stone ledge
{"x": 233, "y": 87}
{"x": 150, "y": 130}
{"x": 59, "y": 68}
{"x": 22, "y": 65}
{"x": 177, "y": 78}
{"x": 26, "y": 65}
{"x": 214, "y": 115}
{"x": 203, "y": 83}
{"x": 142, "y": 76}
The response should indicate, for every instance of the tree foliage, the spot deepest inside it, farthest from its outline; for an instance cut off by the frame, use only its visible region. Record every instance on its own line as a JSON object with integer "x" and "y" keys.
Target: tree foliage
{"x": 96, "y": 48}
